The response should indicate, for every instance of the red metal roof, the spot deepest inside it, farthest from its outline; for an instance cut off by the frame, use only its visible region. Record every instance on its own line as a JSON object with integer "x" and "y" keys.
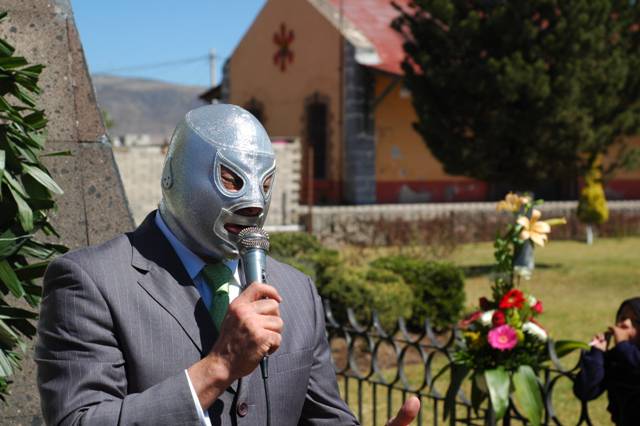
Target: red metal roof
{"x": 373, "y": 18}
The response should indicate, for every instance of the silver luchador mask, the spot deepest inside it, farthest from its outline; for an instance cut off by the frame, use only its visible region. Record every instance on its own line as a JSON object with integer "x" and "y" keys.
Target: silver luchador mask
{"x": 216, "y": 178}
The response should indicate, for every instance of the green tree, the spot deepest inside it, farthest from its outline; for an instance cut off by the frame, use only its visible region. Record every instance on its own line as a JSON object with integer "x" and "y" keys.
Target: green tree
{"x": 519, "y": 92}
{"x": 26, "y": 195}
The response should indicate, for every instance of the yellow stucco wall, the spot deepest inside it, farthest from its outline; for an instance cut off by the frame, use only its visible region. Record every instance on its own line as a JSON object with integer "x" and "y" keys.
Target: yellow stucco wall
{"x": 401, "y": 154}
{"x": 315, "y": 68}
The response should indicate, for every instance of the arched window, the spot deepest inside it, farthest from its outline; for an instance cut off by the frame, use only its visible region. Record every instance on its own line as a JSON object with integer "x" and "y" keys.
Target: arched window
{"x": 317, "y": 133}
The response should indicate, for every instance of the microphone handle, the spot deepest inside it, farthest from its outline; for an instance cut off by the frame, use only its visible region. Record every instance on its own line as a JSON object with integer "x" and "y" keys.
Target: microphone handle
{"x": 254, "y": 263}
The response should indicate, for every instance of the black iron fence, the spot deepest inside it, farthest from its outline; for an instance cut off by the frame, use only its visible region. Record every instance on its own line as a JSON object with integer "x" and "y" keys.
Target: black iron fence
{"x": 378, "y": 369}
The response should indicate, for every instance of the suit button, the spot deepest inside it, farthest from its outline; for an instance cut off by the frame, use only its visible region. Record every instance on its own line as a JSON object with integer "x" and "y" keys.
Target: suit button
{"x": 242, "y": 409}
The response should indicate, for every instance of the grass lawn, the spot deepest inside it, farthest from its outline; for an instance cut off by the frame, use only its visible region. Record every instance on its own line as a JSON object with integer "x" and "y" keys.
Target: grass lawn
{"x": 580, "y": 286}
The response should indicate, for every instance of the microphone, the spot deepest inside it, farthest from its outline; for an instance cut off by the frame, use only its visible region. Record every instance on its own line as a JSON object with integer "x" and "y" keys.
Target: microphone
{"x": 253, "y": 245}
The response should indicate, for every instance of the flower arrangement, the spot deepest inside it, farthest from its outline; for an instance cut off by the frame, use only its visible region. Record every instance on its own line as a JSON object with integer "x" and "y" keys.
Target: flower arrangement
{"x": 502, "y": 344}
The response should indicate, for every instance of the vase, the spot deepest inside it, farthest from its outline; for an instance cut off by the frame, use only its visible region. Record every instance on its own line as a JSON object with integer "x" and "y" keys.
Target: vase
{"x": 524, "y": 261}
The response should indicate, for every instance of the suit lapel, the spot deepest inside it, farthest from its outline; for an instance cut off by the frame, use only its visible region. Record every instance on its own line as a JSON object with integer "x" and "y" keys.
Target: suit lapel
{"x": 164, "y": 278}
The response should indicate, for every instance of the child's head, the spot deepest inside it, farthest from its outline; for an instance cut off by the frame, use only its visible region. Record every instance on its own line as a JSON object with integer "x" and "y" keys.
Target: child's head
{"x": 629, "y": 315}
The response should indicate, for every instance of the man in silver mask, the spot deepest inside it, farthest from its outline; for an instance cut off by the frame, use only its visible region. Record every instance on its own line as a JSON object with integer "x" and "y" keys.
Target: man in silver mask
{"x": 217, "y": 179}
{"x": 152, "y": 328}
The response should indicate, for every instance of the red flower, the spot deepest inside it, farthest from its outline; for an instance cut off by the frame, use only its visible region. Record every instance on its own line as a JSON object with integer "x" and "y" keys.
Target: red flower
{"x": 513, "y": 299}
{"x": 537, "y": 308}
{"x": 498, "y": 318}
{"x": 484, "y": 303}
{"x": 464, "y": 323}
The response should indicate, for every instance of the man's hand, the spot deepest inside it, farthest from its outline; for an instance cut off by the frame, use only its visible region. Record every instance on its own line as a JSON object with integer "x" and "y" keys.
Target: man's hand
{"x": 251, "y": 330}
{"x": 407, "y": 413}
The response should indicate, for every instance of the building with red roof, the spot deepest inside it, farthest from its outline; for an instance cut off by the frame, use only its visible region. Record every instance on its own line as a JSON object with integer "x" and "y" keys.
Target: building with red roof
{"x": 329, "y": 72}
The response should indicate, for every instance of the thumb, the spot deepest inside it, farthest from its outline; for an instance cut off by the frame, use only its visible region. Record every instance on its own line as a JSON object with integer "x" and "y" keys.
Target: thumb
{"x": 407, "y": 413}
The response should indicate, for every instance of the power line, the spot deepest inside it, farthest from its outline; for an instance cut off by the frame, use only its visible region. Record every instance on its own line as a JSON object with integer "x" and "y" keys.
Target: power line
{"x": 157, "y": 64}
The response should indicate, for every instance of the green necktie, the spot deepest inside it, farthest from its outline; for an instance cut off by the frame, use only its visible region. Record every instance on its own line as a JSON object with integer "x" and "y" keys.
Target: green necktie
{"x": 217, "y": 277}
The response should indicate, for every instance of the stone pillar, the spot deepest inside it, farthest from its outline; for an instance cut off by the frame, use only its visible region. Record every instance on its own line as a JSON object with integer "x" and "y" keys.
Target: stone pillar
{"x": 93, "y": 207}
{"x": 358, "y": 134}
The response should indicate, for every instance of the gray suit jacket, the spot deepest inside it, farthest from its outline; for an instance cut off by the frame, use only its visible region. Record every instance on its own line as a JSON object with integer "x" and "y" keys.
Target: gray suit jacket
{"x": 120, "y": 322}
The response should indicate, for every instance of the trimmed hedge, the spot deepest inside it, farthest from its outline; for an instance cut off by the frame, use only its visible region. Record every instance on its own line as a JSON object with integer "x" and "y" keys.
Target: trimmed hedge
{"x": 438, "y": 288}
{"x": 304, "y": 252}
{"x": 365, "y": 290}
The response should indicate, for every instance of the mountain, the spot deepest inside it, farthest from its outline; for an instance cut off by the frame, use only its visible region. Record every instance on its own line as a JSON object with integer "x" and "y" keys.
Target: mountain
{"x": 142, "y": 106}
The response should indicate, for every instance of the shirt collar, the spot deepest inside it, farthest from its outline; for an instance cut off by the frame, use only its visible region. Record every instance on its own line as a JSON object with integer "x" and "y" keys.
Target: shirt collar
{"x": 191, "y": 261}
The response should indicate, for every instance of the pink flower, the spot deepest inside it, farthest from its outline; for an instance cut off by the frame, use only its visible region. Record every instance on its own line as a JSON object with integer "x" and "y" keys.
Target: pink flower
{"x": 537, "y": 308}
{"x": 503, "y": 338}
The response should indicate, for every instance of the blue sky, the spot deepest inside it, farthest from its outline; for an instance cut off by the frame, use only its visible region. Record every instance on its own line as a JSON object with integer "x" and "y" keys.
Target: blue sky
{"x": 128, "y": 33}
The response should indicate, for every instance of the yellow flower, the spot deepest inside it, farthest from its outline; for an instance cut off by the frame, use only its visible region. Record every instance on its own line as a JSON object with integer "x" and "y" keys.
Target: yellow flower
{"x": 473, "y": 337}
{"x": 512, "y": 202}
{"x": 534, "y": 229}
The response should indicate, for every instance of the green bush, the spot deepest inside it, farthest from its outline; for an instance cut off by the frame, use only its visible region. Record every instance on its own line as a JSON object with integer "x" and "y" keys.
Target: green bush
{"x": 304, "y": 252}
{"x": 438, "y": 288}
{"x": 365, "y": 290}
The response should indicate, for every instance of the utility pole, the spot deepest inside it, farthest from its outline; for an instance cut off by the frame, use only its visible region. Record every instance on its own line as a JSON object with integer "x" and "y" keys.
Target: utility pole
{"x": 212, "y": 66}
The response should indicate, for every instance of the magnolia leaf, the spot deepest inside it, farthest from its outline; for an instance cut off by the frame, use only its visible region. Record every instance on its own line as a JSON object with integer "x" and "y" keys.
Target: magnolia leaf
{"x": 25, "y": 213}
{"x": 2, "y": 162}
{"x": 565, "y": 347}
{"x": 458, "y": 374}
{"x": 10, "y": 279}
{"x": 498, "y": 382}
{"x": 42, "y": 177}
{"x": 58, "y": 154}
{"x": 7, "y": 335}
{"x": 527, "y": 393}
{"x": 5, "y": 364}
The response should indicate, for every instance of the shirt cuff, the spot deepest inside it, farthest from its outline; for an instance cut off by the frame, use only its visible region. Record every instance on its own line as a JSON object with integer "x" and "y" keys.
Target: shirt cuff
{"x": 202, "y": 415}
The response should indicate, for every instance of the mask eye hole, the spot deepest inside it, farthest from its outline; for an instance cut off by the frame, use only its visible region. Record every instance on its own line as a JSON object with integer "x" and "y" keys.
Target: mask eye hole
{"x": 230, "y": 180}
{"x": 266, "y": 183}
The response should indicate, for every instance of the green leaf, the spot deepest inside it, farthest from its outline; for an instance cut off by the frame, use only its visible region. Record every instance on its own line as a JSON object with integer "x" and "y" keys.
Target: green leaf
{"x": 458, "y": 374}
{"x": 5, "y": 48}
{"x": 6, "y": 368}
{"x": 11, "y": 280}
{"x": 2, "y": 162}
{"x": 25, "y": 213}
{"x": 58, "y": 154}
{"x": 12, "y": 62}
{"x": 31, "y": 271}
{"x": 527, "y": 393}
{"x": 42, "y": 177}
{"x": 565, "y": 347}
{"x": 498, "y": 384}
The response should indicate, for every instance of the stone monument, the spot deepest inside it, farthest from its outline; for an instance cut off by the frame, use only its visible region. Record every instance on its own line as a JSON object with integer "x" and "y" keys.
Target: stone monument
{"x": 93, "y": 207}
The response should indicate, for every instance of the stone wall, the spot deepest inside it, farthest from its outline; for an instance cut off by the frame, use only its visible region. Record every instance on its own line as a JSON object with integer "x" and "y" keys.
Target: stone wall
{"x": 93, "y": 207}
{"x": 452, "y": 223}
{"x": 141, "y": 169}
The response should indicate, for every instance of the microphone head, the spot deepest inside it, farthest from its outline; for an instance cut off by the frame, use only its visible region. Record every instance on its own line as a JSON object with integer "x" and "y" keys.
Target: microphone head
{"x": 253, "y": 238}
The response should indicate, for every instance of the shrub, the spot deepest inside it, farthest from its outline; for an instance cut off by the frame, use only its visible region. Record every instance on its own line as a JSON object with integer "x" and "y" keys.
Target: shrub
{"x": 368, "y": 289}
{"x": 592, "y": 206}
{"x": 304, "y": 252}
{"x": 438, "y": 288}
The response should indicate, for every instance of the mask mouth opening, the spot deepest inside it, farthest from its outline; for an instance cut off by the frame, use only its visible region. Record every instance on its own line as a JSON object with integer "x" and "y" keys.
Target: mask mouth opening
{"x": 242, "y": 218}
